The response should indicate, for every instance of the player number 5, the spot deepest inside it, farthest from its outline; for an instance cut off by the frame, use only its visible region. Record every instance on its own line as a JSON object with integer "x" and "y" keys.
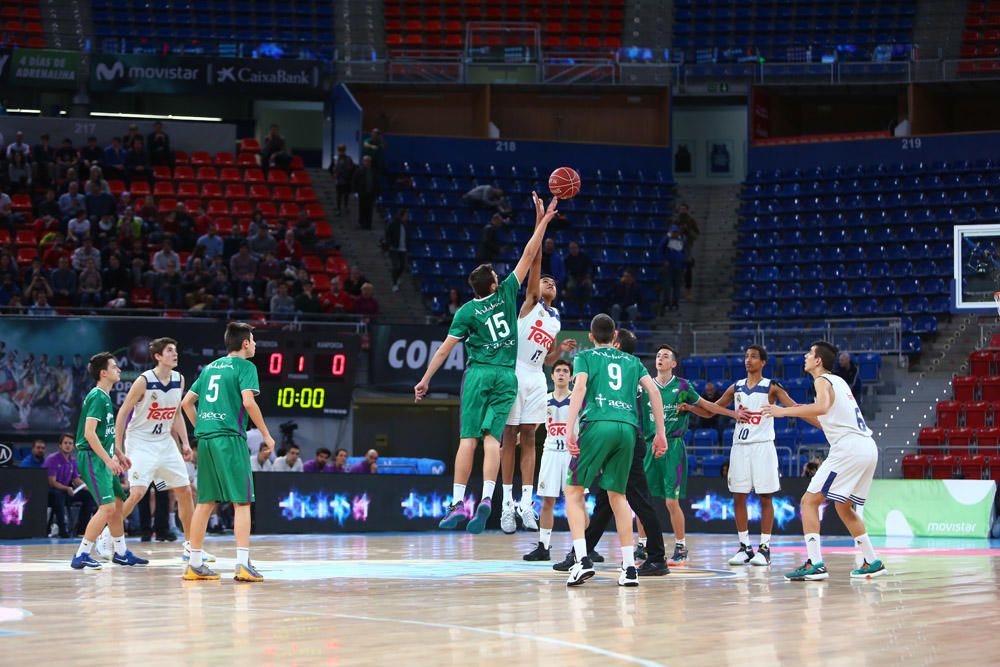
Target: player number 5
{"x": 213, "y": 389}
{"x": 615, "y": 371}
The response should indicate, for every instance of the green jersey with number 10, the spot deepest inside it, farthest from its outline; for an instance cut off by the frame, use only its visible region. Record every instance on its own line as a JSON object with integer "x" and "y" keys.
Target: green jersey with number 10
{"x": 612, "y": 379}
{"x": 220, "y": 390}
{"x": 488, "y": 326}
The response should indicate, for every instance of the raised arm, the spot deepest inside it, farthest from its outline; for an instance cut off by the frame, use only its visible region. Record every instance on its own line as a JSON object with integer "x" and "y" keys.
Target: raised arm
{"x": 824, "y": 401}
{"x": 121, "y": 420}
{"x": 420, "y": 390}
{"x": 706, "y": 409}
{"x": 656, "y": 407}
{"x": 534, "y": 245}
{"x": 532, "y": 290}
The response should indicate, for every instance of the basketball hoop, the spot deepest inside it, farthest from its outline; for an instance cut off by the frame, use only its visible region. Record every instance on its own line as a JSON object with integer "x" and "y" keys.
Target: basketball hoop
{"x": 996, "y": 299}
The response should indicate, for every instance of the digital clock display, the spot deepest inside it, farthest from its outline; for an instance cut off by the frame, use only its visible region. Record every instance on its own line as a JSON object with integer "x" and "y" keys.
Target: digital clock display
{"x": 305, "y": 372}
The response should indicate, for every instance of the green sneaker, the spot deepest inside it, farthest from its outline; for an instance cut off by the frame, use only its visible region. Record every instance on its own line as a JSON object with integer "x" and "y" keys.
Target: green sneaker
{"x": 869, "y": 570}
{"x": 808, "y": 572}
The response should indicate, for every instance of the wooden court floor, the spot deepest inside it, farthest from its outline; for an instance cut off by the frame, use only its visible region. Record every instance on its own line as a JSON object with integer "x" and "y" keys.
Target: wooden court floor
{"x": 456, "y": 599}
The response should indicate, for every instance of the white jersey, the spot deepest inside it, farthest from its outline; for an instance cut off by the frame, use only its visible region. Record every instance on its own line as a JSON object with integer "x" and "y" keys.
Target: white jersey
{"x": 753, "y": 399}
{"x": 556, "y": 412}
{"x": 153, "y": 415}
{"x": 844, "y": 417}
{"x": 536, "y": 334}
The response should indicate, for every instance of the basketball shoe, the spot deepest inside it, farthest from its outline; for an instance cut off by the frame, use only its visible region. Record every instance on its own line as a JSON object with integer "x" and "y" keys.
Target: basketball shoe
{"x": 580, "y": 572}
{"x": 743, "y": 556}
{"x": 628, "y": 577}
{"x": 869, "y": 570}
{"x": 540, "y": 553}
{"x": 478, "y": 522}
{"x": 454, "y": 517}
{"x": 247, "y": 573}
{"x": 808, "y": 572}
{"x": 762, "y": 557}
{"x": 200, "y": 573}
{"x": 508, "y": 519}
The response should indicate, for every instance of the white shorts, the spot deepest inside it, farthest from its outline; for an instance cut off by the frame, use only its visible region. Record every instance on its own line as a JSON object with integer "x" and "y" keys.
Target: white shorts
{"x": 754, "y": 467}
{"x": 158, "y": 461}
{"x": 532, "y": 392}
{"x": 552, "y": 473}
{"x": 846, "y": 474}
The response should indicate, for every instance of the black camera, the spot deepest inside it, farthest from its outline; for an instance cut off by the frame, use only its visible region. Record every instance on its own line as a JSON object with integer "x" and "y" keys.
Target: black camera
{"x": 288, "y": 432}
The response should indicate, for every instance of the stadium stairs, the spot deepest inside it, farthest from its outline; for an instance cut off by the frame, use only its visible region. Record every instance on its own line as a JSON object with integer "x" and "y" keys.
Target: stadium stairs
{"x": 937, "y": 28}
{"x": 361, "y": 247}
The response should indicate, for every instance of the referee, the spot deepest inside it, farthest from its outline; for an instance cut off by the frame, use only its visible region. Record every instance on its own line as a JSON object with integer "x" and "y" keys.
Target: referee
{"x": 637, "y": 494}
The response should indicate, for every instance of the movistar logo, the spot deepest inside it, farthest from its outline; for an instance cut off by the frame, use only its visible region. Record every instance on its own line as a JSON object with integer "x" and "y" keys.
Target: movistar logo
{"x": 105, "y": 73}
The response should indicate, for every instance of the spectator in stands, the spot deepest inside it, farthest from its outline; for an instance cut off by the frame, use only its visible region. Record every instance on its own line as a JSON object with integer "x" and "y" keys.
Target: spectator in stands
{"x": 115, "y": 279}
{"x": 366, "y": 185}
{"x": 86, "y": 253}
{"x": 49, "y": 205}
{"x": 810, "y": 468}
{"x": 290, "y": 462}
{"x": 165, "y": 258}
{"x": 91, "y": 155}
{"x": 64, "y": 283}
{"x": 552, "y": 261}
{"x": 8, "y": 218}
{"x": 355, "y": 279}
{"x": 131, "y": 227}
{"x": 397, "y": 244}
{"x": 212, "y": 241}
{"x": 137, "y": 166}
{"x": 262, "y": 243}
{"x": 18, "y": 147}
{"x": 672, "y": 252}
{"x": 307, "y": 302}
{"x": 169, "y": 288}
{"x": 578, "y": 274}
{"x": 91, "y": 288}
{"x": 368, "y": 466}
{"x": 15, "y": 306}
{"x": 36, "y": 459}
{"x": 72, "y": 201}
{"x": 41, "y": 307}
{"x": 366, "y": 304}
{"x": 269, "y": 269}
{"x": 626, "y": 298}
{"x": 848, "y": 370}
{"x": 37, "y": 277}
{"x": 319, "y": 464}
{"x": 131, "y": 137}
{"x": 158, "y": 142}
{"x": 488, "y": 197}
{"x": 95, "y": 180}
{"x": 339, "y": 461}
{"x": 114, "y": 159}
{"x": 43, "y": 157}
{"x": 724, "y": 469}
{"x": 66, "y": 159}
{"x": 452, "y": 306}
{"x": 55, "y": 252}
{"x": 8, "y": 289}
{"x": 100, "y": 203}
{"x": 187, "y": 230}
{"x": 220, "y": 289}
{"x": 243, "y": 269}
{"x": 261, "y": 460}
{"x": 373, "y": 146}
{"x": 491, "y": 240}
{"x": 275, "y": 150}
{"x": 342, "y": 169}
{"x": 337, "y": 301}
{"x": 691, "y": 231}
{"x": 282, "y": 304}
{"x": 711, "y": 394}
{"x": 305, "y": 230}
{"x": 19, "y": 174}
{"x": 63, "y": 479}
{"x": 78, "y": 227}
{"x": 289, "y": 250}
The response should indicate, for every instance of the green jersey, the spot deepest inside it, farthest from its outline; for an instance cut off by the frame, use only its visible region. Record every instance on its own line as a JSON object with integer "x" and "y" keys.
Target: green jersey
{"x": 675, "y": 424}
{"x": 220, "y": 390}
{"x": 97, "y": 406}
{"x": 612, "y": 379}
{"x": 488, "y": 326}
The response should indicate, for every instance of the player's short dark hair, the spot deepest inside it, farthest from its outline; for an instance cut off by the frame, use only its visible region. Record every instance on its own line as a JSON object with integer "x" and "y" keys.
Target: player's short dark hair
{"x": 602, "y": 328}
{"x": 549, "y": 276}
{"x": 159, "y": 345}
{"x": 827, "y": 353}
{"x": 562, "y": 362}
{"x": 664, "y": 346}
{"x": 323, "y": 450}
{"x": 627, "y": 341}
{"x": 236, "y": 334}
{"x": 761, "y": 351}
{"x": 98, "y": 363}
{"x": 481, "y": 280}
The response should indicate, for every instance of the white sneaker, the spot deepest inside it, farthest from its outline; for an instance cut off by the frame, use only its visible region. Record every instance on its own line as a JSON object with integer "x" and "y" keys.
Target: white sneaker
{"x": 205, "y": 556}
{"x": 629, "y": 577}
{"x": 762, "y": 557}
{"x": 105, "y": 546}
{"x": 743, "y": 556}
{"x": 528, "y": 518}
{"x": 580, "y": 572}
{"x": 508, "y": 520}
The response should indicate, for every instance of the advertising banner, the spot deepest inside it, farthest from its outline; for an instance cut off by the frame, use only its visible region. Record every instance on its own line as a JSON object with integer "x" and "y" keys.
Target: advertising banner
{"x": 400, "y": 353}
{"x": 24, "y": 502}
{"x": 930, "y": 507}
{"x": 44, "y": 68}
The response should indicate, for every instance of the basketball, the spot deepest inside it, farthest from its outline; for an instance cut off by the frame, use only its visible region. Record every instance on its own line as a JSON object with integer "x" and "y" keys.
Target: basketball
{"x": 564, "y": 183}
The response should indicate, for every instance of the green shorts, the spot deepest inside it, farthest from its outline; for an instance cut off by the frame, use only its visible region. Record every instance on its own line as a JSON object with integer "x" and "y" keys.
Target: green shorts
{"x": 668, "y": 475}
{"x": 102, "y": 484}
{"x": 224, "y": 470}
{"x": 488, "y": 392}
{"x": 606, "y": 448}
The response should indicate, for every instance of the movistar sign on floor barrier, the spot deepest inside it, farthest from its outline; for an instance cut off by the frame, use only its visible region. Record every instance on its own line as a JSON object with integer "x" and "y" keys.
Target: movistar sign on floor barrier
{"x": 930, "y": 507}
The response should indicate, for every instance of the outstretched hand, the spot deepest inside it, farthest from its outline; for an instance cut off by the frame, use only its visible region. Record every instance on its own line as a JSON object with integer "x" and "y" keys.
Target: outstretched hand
{"x": 543, "y": 214}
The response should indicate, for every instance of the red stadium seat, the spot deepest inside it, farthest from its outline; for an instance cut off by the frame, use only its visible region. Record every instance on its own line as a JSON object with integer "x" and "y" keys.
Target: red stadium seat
{"x": 230, "y": 175}
{"x": 282, "y": 193}
{"x": 235, "y": 191}
{"x": 163, "y": 189}
{"x": 942, "y": 467}
{"x": 289, "y": 210}
{"x": 321, "y": 282}
{"x": 991, "y": 388}
{"x": 161, "y": 173}
{"x": 21, "y": 203}
{"x": 965, "y": 387}
{"x": 247, "y": 160}
{"x": 218, "y": 207}
{"x": 200, "y": 159}
{"x": 187, "y": 189}
{"x": 323, "y": 230}
{"x": 268, "y": 209}
{"x": 259, "y": 192}
{"x": 241, "y": 208}
{"x": 315, "y": 212}
{"x": 139, "y": 189}
{"x": 337, "y": 265}
{"x": 250, "y": 145}
{"x": 253, "y": 175}
{"x": 947, "y": 414}
{"x": 117, "y": 187}
{"x": 960, "y": 440}
{"x": 981, "y": 363}
{"x": 207, "y": 174}
{"x": 224, "y": 159}
{"x": 975, "y": 414}
{"x": 25, "y": 238}
{"x": 300, "y": 178}
{"x": 277, "y": 177}
{"x": 973, "y": 466}
{"x": 167, "y": 205}
{"x": 312, "y": 263}
{"x": 988, "y": 439}
{"x": 931, "y": 440}
{"x": 141, "y": 298}
{"x": 305, "y": 195}
{"x": 915, "y": 466}
{"x": 211, "y": 190}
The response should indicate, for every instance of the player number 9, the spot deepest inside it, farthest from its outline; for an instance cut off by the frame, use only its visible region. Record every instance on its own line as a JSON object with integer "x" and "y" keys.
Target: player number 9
{"x": 615, "y": 371}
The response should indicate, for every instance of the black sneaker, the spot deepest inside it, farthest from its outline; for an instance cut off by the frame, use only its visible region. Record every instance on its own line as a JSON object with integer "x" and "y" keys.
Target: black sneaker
{"x": 762, "y": 557}
{"x": 540, "y": 553}
{"x": 566, "y": 563}
{"x": 169, "y": 536}
{"x": 651, "y": 569}
{"x": 640, "y": 552}
{"x": 628, "y": 577}
{"x": 580, "y": 572}
{"x": 596, "y": 557}
{"x": 146, "y": 537}
{"x": 680, "y": 555}
{"x": 743, "y": 556}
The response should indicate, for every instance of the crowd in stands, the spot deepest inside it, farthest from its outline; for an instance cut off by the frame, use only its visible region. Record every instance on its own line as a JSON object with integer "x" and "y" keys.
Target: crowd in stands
{"x": 73, "y": 235}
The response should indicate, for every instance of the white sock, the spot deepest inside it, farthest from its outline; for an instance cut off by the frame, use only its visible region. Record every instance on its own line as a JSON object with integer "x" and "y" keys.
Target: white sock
{"x": 457, "y": 493}
{"x": 765, "y": 539}
{"x": 545, "y": 536}
{"x": 679, "y": 543}
{"x": 865, "y": 544}
{"x": 488, "y": 487}
{"x": 628, "y": 556}
{"x": 119, "y": 544}
{"x": 85, "y": 547}
{"x": 642, "y": 542}
{"x": 580, "y": 549}
{"x": 508, "y": 494}
{"x": 527, "y": 495}
{"x": 744, "y": 536}
{"x": 812, "y": 548}
{"x": 243, "y": 556}
{"x": 195, "y": 560}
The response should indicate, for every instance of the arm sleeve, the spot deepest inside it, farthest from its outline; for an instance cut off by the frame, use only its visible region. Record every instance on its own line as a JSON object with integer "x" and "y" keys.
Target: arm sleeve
{"x": 459, "y": 326}
{"x": 510, "y": 286}
{"x": 248, "y": 378}
{"x": 580, "y": 364}
{"x": 642, "y": 372}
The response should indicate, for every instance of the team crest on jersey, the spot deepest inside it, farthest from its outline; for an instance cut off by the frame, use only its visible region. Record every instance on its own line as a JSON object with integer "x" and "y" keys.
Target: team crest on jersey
{"x": 541, "y": 486}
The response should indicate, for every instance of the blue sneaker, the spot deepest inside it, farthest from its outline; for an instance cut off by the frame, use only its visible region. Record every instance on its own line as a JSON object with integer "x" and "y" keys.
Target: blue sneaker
{"x": 869, "y": 570}
{"x": 808, "y": 572}
{"x": 84, "y": 561}
{"x": 129, "y": 558}
{"x": 454, "y": 517}
{"x": 478, "y": 522}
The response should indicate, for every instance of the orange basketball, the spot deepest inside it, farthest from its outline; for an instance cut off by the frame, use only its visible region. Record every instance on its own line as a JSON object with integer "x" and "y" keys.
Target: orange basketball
{"x": 564, "y": 183}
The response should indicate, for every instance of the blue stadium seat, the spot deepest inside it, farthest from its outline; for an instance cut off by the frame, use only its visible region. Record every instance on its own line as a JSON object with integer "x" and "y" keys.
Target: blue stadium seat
{"x": 706, "y": 437}
{"x": 869, "y": 365}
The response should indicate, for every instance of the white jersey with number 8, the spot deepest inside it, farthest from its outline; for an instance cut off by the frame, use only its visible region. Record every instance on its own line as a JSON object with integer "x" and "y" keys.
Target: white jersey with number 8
{"x": 753, "y": 399}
